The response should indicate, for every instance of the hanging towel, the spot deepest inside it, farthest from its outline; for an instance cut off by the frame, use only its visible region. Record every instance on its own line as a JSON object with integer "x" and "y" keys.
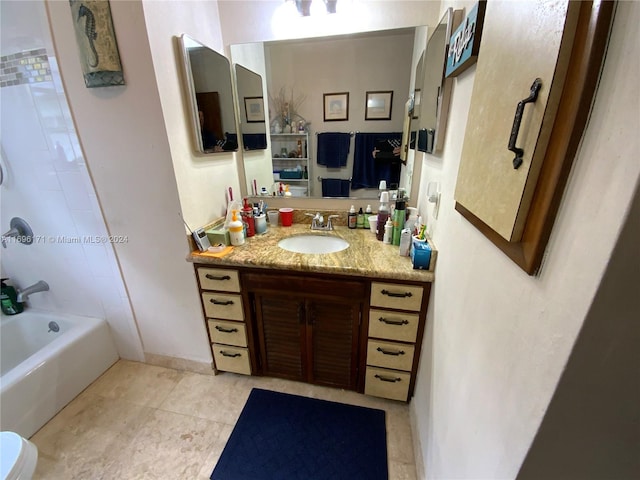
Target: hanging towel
{"x": 367, "y": 172}
{"x": 333, "y": 149}
{"x": 335, "y": 187}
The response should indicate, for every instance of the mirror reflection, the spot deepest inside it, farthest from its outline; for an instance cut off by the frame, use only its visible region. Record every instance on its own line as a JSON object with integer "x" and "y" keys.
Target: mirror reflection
{"x": 435, "y": 90}
{"x": 252, "y": 118}
{"x": 305, "y": 78}
{"x": 210, "y": 94}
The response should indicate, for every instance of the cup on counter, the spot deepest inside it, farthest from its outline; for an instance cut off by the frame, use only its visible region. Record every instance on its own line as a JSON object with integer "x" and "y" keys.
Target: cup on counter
{"x": 273, "y": 217}
{"x": 373, "y": 223}
{"x": 261, "y": 223}
{"x": 286, "y": 216}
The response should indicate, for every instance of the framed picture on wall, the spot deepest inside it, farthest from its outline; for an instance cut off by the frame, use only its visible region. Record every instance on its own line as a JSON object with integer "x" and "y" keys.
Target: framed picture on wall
{"x": 336, "y": 106}
{"x": 254, "y": 109}
{"x": 378, "y": 106}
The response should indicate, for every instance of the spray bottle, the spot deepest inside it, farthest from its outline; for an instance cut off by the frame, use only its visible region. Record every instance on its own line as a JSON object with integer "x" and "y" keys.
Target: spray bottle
{"x": 383, "y": 214}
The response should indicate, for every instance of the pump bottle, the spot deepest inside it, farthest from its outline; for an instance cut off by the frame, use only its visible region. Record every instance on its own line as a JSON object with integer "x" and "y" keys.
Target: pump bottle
{"x": 236, "y": 230}
{"x": 383, "y": 214}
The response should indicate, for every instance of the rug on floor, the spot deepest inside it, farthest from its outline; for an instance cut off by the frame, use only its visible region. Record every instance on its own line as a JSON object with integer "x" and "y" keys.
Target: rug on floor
{"x": 284, "y": 436}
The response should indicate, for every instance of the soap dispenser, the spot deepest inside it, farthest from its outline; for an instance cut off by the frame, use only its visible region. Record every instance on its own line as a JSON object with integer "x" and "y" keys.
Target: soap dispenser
{"x": 352, "y": 218}
{"x": 236, "y": 230}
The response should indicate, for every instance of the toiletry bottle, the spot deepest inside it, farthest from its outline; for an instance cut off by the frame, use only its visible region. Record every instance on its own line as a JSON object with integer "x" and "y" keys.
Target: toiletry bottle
{"x": 388, "y": 231}
{"x": 305, "y": 174}
{"x": 352, "y": 218}
{"x": 367, "y": 214}
{"x": 405, "y": 242}
{"x": 236, "y": 229}
{"x": 383, "y": 214}
{"x": 360, "y": 219}
{"x": 247, "y": 218}
{"x": 9, "y": 299}
{"x": 399, "y": 216}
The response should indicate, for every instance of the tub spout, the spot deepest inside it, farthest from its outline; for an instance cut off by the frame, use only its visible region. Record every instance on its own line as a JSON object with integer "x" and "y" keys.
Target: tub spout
{"x": 40, "y": 286}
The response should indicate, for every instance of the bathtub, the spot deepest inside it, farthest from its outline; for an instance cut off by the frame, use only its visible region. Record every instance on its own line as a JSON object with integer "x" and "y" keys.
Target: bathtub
{"x": 43, "y": 370}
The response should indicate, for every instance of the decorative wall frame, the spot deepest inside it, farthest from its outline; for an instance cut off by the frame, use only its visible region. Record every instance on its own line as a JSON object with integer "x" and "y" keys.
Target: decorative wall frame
{"x": 378, "y": 105}
{"x": 254, "y": 109}
{"x": 336, "y": 106}
{"x": 97, "y": 45}
{"x": 464, "y": 44}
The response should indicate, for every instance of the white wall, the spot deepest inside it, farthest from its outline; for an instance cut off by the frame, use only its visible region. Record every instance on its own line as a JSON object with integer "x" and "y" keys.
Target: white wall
{"x": 123, "y": 136}
{"x": 497, "y": 339}
{"x": 202, "y": 180}
{"x": 47, "y": 184}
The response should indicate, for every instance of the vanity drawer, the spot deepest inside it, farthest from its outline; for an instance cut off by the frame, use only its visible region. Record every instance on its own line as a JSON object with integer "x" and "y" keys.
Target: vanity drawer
{"x": 228, "y": 333}
{"x": 387, "y": 383}
{"x": 218, "y": 279}
{"x": 232, "y": 359}
{"x": 390, "y": 355}
{"x": 394, "y": 326}
{"x": 221, "y": 305}
{"x": 396, "y": 295}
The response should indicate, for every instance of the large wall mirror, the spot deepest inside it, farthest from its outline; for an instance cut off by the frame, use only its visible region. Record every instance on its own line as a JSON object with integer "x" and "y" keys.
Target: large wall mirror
{"x": 434, "y": 92}
{"x": 251, "y": 109}
{"x": 209, "y": 91}
{"x": 300, "y": 72}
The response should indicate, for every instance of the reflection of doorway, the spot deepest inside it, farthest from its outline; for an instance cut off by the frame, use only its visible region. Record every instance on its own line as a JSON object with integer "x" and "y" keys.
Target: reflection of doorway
{"x": 209, "y": 104}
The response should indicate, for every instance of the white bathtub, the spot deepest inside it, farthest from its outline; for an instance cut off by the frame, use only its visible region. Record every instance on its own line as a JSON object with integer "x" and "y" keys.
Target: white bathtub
{"x": 43, "y": 370}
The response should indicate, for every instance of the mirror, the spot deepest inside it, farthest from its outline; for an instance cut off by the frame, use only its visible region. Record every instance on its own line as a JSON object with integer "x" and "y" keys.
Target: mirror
{"x": 251, "y": 108}
{"x": 210, "y": 96}
{"x": 304, "y": 71}
{"x": 435, "y": 90}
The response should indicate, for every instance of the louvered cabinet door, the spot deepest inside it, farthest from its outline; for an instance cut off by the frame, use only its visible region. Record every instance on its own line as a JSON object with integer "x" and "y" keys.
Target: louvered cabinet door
{"x": 332, "y": 333}
{"x": 281, "y": 325}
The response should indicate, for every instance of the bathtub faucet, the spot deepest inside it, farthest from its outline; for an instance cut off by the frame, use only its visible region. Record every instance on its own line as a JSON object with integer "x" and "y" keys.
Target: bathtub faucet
{"x": 40, "y": 286}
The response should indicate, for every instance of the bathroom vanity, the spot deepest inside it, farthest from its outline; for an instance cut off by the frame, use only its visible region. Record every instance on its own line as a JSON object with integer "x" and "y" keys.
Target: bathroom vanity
{"x": 352, "y": 319}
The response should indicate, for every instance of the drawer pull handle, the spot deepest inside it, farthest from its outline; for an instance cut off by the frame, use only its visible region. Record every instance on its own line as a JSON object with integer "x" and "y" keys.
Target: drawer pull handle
{"x": 227, "y": 354}
{"x": 393, "y": 322}
{"x": 382, "y": 378}
{"x": 396, "y": 294}
{"x": 390, "y": 352}
{"x": 213, "y": 277}
{"x": 218, "y": 302}
{"x": 226, "y": 330}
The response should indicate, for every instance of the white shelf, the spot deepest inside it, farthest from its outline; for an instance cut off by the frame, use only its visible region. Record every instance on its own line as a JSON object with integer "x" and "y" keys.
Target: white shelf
{"x": 289, "y": 142}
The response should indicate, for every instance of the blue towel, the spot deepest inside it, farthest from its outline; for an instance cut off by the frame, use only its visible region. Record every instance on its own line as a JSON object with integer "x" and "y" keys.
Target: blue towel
{"x": 335, "y": 187}
{"x": 367, "y": 172}
{"x": 333, "y": 149}
{"x": 254, "y": 141}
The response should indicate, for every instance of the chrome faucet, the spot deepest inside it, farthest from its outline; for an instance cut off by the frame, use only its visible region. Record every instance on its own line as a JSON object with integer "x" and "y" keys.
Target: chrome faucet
{"x": 317, "y": 222}
{"x": 40, "y": 286}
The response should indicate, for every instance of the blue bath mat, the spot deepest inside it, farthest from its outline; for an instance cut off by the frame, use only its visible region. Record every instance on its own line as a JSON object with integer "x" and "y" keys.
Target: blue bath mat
{"x": 281, "y": 436}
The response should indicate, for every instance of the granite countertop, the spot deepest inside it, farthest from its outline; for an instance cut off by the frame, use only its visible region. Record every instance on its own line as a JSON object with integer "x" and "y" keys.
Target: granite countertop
{"x": 365, "y": 256}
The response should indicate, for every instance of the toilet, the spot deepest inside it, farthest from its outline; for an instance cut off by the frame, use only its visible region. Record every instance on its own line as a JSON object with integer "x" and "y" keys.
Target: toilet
{"x": 19, "y": 457}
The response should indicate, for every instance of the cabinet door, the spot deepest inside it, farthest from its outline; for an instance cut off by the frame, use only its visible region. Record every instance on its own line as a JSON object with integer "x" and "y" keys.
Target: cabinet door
{"x": 281, "y": 325}
{"x": 333, "y": 342}
{"x": 521, "y": 41}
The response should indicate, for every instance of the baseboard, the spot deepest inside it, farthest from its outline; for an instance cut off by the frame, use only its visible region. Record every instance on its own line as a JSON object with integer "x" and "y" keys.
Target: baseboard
{"x": 421, "y": 473}
{"x": 178, "y": 363}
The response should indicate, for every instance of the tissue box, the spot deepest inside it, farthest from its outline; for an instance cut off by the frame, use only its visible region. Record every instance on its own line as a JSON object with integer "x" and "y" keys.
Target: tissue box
{"x": 420, "y": 254}
{"x": 218, "y": 235}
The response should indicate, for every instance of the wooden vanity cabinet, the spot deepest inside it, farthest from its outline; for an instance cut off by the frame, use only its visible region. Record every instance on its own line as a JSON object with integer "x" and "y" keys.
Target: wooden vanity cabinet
{"x": 308, "y": 328}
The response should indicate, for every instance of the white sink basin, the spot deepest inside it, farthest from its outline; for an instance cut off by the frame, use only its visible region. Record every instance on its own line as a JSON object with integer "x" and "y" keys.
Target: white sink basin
{"x": 313, "y": 244}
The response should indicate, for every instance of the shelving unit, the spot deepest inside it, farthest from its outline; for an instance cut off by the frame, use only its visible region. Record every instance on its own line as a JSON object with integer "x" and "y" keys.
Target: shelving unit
{"x": 284, "y": 144}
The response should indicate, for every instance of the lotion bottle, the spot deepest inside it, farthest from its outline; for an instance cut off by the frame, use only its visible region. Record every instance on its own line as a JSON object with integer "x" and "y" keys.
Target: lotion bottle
{"x": 367, "y": 214}
{"x": 236, "y": 230}
{"x": 388, "y": 231}
{"x": 352, "y": 218}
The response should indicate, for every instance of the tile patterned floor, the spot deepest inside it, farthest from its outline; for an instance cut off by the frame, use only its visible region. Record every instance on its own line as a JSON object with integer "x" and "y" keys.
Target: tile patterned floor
{"x": 141, "y": 421}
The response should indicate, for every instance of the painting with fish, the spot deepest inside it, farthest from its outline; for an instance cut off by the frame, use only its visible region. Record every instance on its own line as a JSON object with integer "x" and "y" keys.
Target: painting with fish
{"x": 97, "y": 44}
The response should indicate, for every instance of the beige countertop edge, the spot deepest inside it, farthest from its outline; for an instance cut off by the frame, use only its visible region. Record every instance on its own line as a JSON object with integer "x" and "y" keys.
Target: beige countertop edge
{"x": 366, "y": 256}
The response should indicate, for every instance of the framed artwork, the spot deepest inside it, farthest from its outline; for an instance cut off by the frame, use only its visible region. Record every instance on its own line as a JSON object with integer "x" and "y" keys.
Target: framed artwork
{"x": 336, "y": 106}
{"x": 464, "y": 43}
{"x": 97, "y": 45}
{"x": 378, "y": 106}
{"x": 254, "y": 109}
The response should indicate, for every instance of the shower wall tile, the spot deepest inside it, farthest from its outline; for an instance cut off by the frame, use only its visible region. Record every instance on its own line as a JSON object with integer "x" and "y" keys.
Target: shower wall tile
{"x": 48, "y": 184}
